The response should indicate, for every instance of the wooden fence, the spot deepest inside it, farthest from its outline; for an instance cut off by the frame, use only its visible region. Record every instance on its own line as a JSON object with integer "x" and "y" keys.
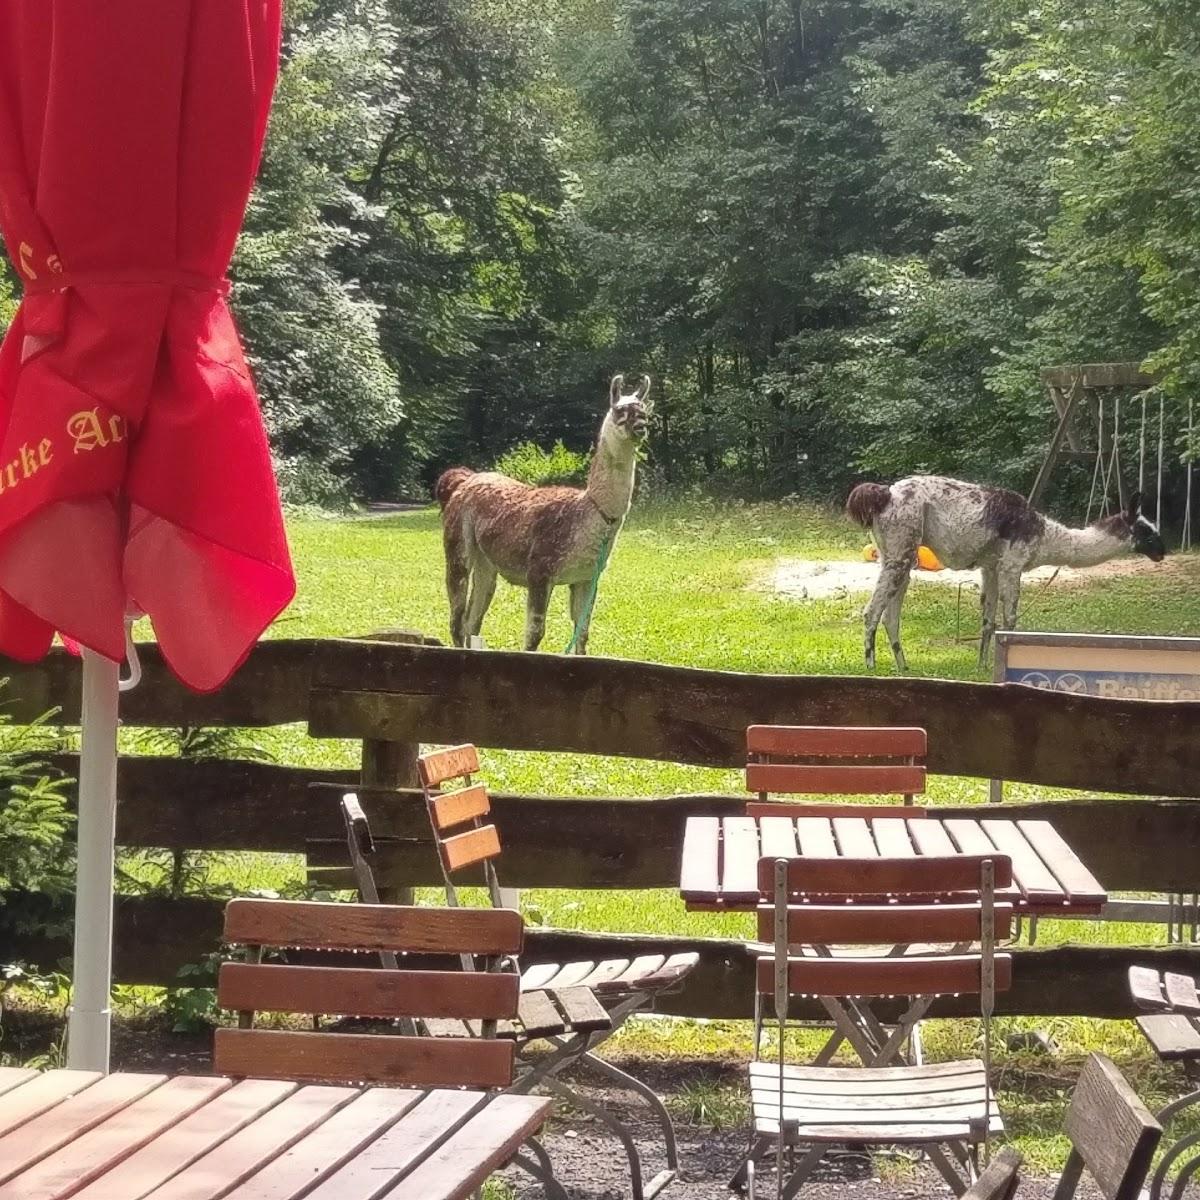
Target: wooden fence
{"x": 391, "y": 697}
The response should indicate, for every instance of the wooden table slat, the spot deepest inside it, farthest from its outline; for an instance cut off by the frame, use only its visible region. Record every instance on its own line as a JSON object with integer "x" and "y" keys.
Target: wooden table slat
{"x": 778, "y": 837}
{"x": 1080, "y": 885}
{"x": 255, "y": 1145}
{"x": 891, "y": 836}
{"x": 1034, "y": 878}
{"x": 488, "y": 1140}
{"x": 1048, "y": 877}
{"x": 60, "y": 1175}
{"x": 13, "y": 1077}
{"x": 854, "y": 838}
{"x": 969, "y": 837}
{"x": 931, "y": 838}
{"x": 400, "y": 1148}
{"x": 814, "y": 837}
{"x": 701, "y": 855}
{"x": 328, "y": 1147}
{"x": 42, "y": 1094}
{"x": 190, "y": 1140}
{"x": 740, "y": 848}
{"x": 62, "y": 1124}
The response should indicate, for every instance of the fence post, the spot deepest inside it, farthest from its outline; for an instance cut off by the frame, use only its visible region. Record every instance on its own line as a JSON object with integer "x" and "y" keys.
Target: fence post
{"x": 392, "y": 764}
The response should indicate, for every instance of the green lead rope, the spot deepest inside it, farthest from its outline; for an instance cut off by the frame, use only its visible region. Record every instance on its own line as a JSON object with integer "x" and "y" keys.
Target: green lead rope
{"x": 593, "y": 588}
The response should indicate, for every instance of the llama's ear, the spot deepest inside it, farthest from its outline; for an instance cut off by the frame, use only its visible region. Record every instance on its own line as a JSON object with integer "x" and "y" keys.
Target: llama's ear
{"x": 643, "y": 392}
{"x": 1134, "y": 508}
{"x": 615, "y": 390}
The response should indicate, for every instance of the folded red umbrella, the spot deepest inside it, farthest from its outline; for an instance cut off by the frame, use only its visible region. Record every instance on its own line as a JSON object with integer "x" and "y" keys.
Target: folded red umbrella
{"x": 134, "y": 470}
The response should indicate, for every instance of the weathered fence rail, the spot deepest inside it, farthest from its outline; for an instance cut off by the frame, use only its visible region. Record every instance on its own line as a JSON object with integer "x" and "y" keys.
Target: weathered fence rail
{"x": 678, "y": 714}
{"x": 392, "y": 697}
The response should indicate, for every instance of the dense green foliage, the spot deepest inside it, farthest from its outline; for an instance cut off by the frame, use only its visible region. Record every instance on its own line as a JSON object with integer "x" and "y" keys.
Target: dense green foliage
{"x": 34, "y": 815}
{"x": 529, "y": 463}
{"x": 842, "y": 235}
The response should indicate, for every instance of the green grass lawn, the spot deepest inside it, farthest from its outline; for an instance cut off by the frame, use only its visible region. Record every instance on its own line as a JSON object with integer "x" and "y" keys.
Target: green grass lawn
{"x": 685, "y": 586}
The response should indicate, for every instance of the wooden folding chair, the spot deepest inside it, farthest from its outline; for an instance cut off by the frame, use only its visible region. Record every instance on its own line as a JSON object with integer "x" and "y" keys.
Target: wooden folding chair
{"x": 811, "y": 904}
{"x": 487, "y": 996}
{"x": 466, "y": 840}
{"x": 1171, "y": 1024}
{"x": 835, "y": 760}
{"x": 1112, "y": 1134}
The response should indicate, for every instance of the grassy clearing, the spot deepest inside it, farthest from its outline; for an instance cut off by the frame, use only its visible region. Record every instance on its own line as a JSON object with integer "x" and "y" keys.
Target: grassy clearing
{"x": 679, "y": 590}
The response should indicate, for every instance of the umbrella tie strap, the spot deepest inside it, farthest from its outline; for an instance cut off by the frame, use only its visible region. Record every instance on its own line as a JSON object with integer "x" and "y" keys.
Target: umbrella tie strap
{"x": 130, "y": 681}
{"x": 144, "y": 277}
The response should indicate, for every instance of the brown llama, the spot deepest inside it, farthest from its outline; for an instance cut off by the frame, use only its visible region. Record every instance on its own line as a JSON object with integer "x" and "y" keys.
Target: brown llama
{"x": 539, "y": 537}
{"x": 968, "y": 526}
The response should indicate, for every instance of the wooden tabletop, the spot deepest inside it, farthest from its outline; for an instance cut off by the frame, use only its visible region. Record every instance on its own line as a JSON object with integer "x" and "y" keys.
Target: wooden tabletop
{"x": 199, "y": 1137}
{"x": 720, "y": 855}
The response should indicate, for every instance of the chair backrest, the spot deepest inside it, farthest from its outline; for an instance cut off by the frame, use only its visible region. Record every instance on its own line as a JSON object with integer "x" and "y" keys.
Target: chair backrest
{"x": 458, "y": 817}
{"x": 1113, "y": 1134}
{"x": 482, "y": 996}
{"x": 965, "y": 923}
{"x": 835, "y": 760}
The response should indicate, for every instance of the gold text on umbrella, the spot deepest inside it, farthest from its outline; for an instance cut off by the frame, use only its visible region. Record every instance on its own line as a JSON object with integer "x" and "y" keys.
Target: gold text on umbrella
{"x": 90, "y": 430}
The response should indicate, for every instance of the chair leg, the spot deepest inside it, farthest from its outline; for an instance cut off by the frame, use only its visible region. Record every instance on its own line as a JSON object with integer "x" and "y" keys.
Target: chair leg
{"x": 602, "y": 1114}
{"x": 1168, "y": 1160}
{"x": 802, "y": 1171}
{"x": 745, "y": 1170}
{"x": 540, "y": 1168}
{"x": 937, "y": 1156}
{"x": 1185, "y": 1173}
{"x": 651, "y": 1097}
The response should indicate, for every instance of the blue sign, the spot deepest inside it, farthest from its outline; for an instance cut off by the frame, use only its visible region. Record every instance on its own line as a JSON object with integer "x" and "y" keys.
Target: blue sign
{"x": 1110, "y": 685}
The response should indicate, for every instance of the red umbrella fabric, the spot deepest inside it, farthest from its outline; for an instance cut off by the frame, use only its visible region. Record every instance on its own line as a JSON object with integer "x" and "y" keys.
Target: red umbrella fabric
{"x": 134, "y": 469}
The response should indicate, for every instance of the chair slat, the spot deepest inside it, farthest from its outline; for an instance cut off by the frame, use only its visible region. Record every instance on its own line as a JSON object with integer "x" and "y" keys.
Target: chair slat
{"x": 365, "y": 992}
{"x": 906, "y": 976}
{"x": 1111, "y": 1129}
{"x": 881, "y": 876}
{"x": 363, "y": 1058}
{"x": 467, "y": 849}
{"x": 844, "y": 741}
{"x": 373, "y": 927}
{"x": 452, "y": 763}
{"x": 1145, "y": 985}
{"x": 454, "y": 808}
{"x": 814, "y": 779}
{"x": 865, "y": 925}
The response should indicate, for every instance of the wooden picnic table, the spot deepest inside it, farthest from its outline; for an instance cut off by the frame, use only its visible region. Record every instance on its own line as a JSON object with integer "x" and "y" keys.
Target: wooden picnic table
{"x": 719, "y": 870}
{"x": 198, "y": 1137}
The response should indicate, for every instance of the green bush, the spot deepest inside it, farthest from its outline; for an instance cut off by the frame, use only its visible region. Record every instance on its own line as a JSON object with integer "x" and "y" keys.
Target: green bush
{"x": 531, "y": 464}
{"x": 34, "y": 817}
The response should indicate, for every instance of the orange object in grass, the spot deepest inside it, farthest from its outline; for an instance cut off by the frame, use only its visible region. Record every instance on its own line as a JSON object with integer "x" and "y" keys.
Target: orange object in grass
{"x": 926, "y": 559}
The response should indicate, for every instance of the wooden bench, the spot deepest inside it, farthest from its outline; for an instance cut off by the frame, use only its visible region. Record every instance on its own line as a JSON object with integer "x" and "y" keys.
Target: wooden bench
{"x": 477, "y": 1000}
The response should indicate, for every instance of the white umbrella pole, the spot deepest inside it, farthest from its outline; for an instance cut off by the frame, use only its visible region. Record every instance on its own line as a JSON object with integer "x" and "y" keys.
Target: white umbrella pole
{"x": 90, "y": 1017}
